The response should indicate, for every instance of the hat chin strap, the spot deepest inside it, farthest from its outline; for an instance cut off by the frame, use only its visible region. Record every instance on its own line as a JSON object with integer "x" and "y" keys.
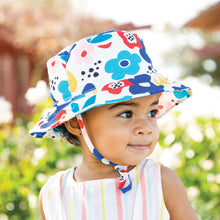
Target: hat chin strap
{"x": 125, "y": 183}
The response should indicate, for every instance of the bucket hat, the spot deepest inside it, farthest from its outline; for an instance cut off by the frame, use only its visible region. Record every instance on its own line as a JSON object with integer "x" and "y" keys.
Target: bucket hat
{"x": 101, "y": 69}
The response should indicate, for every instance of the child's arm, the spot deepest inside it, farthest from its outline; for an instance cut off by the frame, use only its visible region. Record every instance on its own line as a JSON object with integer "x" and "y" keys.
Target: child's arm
{"x": 41, "y": 206}
{"x": 175, "y": 196}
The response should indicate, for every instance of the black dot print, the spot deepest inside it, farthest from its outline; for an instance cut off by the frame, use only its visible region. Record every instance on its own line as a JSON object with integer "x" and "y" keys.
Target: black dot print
{"x": 92, "y": 71}
{"x": 95, "y": 74}
{"x": 53, "y": 82}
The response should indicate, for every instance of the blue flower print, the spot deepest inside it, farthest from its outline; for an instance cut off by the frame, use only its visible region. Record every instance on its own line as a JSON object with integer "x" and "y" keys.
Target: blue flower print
{"x": 145, "y": 56}
{"x": 63, "y": 88}
{"x": 99, "y": 38}
{"x": 88, "y": 88}
{"x": 89, "y": 101}
{"x": 52, "y": 116}
{"x": 180, "y": 92}
{"x": 74, "y": 107}
{"x": 52, "y": 97}
{"x": 125, "y": 63}
{"x": 65, "y": 55}
{"x": 125, "y": 98}
{"x": 38, "y": 134}
{"x": 142, "y": 84}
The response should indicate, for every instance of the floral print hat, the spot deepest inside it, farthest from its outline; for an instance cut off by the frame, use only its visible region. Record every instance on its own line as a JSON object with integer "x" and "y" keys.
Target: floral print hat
{"x": 98, "y": 70}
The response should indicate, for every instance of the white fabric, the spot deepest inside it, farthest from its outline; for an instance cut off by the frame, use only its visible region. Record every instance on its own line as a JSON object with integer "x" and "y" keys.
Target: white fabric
{"x": 63, "y": 198}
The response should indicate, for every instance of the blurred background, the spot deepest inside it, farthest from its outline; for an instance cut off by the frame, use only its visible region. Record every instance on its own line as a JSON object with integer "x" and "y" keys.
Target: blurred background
{"x": 183, "y": 41}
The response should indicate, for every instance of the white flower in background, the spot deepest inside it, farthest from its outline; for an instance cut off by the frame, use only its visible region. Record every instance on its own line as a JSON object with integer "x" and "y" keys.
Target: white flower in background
{"x": 41, "y": 177}
{"x": 194, "y": 132}
{"x": 217, "y": 178}
{"x": 39, "y": 153}
{"x": 10, "y": 206}
{"x": 6, "y": 114}
{"x": 170, "y": 138}
{"x": 190, "y": 153}
{"x": 210, "y": 133}
{"x": 36, "y": 95}
{"x": 3, "y": 217}
{"x": 211, "y": 177}
{"x": 207, "y": 164}
{"x": 193, "y": 192}
{"x": 32, "y": 200}
{"x": 168, "y": 156}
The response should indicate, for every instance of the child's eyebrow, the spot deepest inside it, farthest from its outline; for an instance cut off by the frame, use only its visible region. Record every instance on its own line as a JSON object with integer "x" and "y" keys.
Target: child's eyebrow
{"x": 130, "y": 104}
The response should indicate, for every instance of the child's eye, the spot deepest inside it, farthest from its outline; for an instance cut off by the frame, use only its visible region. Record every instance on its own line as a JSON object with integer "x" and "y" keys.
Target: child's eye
{"x": 127, "y": 114}
{"x": 152, "y": 114}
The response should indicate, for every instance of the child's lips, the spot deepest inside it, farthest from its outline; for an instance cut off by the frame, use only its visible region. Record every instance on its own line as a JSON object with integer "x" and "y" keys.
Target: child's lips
{"x": 138, "y": 147}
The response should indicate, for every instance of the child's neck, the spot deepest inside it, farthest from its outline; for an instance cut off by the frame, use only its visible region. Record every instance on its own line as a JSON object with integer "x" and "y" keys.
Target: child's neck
{"x": 87, "y": 172}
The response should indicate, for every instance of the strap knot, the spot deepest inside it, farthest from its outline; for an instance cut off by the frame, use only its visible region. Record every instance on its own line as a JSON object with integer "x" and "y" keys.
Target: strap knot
{"x": 125, "y": 183}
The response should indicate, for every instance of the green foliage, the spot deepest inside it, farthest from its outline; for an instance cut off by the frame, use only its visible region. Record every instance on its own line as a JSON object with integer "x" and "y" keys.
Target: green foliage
{"x": 25, "y": 164}
{"x": 199, "y": 164}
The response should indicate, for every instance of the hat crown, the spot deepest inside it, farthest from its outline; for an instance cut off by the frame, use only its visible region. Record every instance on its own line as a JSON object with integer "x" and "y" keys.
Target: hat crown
{"x": 95, "y": 61}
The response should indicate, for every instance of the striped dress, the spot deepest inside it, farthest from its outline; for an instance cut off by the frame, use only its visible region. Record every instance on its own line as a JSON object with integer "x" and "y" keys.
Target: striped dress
{"x": 64, "y": 199}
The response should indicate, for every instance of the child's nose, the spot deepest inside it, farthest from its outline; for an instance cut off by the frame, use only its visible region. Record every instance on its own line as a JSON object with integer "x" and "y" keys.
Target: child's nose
{"x": 143, "y": 127}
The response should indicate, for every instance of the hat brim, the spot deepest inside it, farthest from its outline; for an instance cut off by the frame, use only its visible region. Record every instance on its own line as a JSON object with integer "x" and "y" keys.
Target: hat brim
{"x": 171, "y": 94}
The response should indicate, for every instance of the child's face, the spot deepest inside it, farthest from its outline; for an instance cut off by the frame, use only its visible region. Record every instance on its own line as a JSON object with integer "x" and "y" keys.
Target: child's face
{"x": 125, "y": 132}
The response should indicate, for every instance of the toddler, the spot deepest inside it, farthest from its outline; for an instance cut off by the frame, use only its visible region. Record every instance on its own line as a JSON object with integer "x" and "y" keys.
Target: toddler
{"x": 107, "y": 99}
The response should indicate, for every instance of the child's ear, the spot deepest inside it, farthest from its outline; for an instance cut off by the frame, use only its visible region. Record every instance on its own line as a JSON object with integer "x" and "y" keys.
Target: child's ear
{"x": 73, "y": 126}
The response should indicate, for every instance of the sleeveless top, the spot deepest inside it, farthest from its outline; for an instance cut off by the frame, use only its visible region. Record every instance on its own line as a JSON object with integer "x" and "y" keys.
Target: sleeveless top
{"x": 65, "y": 199}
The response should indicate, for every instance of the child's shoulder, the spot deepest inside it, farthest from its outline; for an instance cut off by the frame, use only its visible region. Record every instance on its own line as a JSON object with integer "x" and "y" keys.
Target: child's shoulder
{"x": 51, "y": 190}
{"x": 175, "y": 196}
{"x": 55, "y": 181}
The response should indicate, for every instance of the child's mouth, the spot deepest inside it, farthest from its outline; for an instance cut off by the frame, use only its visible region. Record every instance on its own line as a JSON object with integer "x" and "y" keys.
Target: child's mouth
{"x": 138, "y": 147}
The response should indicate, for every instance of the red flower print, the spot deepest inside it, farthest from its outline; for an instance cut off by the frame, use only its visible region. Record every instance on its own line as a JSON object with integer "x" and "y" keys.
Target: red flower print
{"x": 59, "y": 117}
{"x": 130, "y": 39}
{"x": 116, "y": 87}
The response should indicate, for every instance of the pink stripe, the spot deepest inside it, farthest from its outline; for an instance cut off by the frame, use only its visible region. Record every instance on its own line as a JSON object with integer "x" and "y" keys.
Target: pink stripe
{"x": 144, "y": 204}
{"x": 60, "y": 199}
{"x": 83, "y": 203}
{"x": 118, "y": 200}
